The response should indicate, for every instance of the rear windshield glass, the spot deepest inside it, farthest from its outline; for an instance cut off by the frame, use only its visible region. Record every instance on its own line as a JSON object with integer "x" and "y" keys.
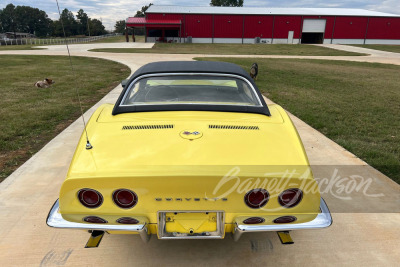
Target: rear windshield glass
{"x": 190, "y": 89}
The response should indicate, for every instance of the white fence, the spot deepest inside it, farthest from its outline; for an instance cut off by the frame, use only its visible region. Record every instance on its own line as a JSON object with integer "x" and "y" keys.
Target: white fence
{"x": 54, "y": 41}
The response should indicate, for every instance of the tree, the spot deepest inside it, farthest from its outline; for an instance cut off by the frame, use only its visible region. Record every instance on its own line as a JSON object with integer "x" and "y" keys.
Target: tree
{"x": 119, "y": 26}
{"x": 83, "y": 23}
{"x": 226, "y": 3}
{"x": 25, "y": 19}
{"x": 32, "y": 20}
{"x": 57, "y": 29}
{"x": 1, "y": 22}
{"x": 96, "y": 27}
{"x": 8, "y": 18}
{"x": 69, "y": 22}
{"x": 141, "y": 13}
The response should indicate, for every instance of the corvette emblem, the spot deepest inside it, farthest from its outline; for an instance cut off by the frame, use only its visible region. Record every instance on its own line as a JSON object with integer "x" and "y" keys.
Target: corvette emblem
{"x": 191, "y": 135}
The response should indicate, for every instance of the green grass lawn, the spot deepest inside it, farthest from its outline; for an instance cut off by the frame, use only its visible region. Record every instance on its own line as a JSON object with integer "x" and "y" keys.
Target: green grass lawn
{"x": 30, "y": 116}
{"x": 18, "y": 47}
{"x": 114, "y": 39}
{"x": 234, "y": 49}
{"x": 355, "y": 104}
{"x": 388, "y": 48}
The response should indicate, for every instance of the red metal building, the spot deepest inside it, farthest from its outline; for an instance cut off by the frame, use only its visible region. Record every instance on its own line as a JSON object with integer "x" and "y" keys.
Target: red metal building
{"x": 268, "y": 25}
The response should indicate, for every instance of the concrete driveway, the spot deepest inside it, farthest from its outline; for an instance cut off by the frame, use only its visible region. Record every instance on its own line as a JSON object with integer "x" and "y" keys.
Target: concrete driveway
{"x": 81, "y": 48}
{"x": 365, "y": 232}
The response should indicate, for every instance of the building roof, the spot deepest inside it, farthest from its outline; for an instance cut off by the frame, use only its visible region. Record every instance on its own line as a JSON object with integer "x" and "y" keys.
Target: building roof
{"x": 152, "y": 23}
{"x": 135, "y": 20}
{"x": 19, "y": 33}
{"x": 267, "y": 10}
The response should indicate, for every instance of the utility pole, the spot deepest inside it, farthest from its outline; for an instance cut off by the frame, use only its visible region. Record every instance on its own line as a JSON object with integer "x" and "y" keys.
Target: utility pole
{"x": 88, "y": 26}
{"x": 13, "y": 25}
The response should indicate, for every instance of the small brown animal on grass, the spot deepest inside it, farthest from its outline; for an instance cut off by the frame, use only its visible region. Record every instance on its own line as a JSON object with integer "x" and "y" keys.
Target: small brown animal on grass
{"x": 45, "y": 83}
{"x": 254, "y": 71}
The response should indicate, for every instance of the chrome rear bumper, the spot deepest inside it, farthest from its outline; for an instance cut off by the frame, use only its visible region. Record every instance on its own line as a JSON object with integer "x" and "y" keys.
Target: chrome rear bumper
{"x": 323, "y": 219}
{"x": 54, "y": 219}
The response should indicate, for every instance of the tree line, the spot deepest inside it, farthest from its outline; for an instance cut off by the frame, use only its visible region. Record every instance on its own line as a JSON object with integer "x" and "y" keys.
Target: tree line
{"x": 238, "y": 3}
{"x": 32, "y": 20}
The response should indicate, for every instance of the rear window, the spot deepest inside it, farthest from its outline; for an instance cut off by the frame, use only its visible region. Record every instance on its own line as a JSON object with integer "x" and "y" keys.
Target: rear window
{"x": 191, "y": 89}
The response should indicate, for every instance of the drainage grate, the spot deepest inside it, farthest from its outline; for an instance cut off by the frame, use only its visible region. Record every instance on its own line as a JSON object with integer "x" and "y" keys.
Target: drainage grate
{"x": 147, "y": 127}
{"x": 233, "y": 127}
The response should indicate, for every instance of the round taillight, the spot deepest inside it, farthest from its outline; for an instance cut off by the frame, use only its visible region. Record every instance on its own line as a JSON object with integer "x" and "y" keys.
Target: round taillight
{"x": 285, "y": 219}
{"x": 256, "y": 198}
{"x": 90, "y": 198}
{"x": 290, "y": 197}
{"x": 127, "y": 220}
{"x": 254, "y": 220}
{"x": 125, "y": 198}
{"x": 94, "y": 219}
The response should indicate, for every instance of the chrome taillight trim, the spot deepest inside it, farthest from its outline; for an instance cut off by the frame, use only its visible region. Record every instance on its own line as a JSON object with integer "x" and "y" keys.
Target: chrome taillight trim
{"x": 54, "y": 219}
{"x": 91, "y": 216}
{"x": 246, "y": 221}
{"x": 119, "y": 204}
{"x": 293, "y": 219}
{"x": 260, "y": 206}
{"x": 280, "y": 198}
{"x": 101, "y": 199}
{"x": 323, "y": 220}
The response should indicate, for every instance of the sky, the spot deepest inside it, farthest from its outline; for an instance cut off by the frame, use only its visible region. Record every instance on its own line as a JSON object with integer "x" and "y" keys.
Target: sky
{"x": 110, "y": 11}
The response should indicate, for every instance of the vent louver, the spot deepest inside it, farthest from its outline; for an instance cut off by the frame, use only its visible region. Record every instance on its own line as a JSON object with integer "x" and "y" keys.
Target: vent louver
{"x": 233, "y": 127}
{"x": 147, "y": 127}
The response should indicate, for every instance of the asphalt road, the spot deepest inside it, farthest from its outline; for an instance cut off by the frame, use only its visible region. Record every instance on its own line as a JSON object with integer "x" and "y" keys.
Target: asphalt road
{"x": 365, "y": 232}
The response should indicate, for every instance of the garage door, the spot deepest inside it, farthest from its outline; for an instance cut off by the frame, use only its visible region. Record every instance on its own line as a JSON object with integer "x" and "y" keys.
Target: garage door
{"x": 314, "y": 25}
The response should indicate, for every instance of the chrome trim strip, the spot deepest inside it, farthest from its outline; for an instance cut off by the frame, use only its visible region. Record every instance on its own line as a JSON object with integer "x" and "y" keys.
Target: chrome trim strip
{"x": 54, "y": 219}
{"x": 218, "y": 234}
{"x": 191, "y": 74}
{"x": 323, "y": 219}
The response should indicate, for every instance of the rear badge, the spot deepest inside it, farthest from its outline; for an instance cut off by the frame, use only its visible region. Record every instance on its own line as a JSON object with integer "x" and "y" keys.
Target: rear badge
{"x": 191, "y": 135}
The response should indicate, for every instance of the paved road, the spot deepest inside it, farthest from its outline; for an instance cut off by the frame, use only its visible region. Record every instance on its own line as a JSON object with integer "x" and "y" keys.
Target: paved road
{"x": 366, "y": 229}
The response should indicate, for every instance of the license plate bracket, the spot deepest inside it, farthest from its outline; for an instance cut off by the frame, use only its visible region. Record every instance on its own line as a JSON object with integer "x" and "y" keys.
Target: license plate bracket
{"x": 191, "y": 225}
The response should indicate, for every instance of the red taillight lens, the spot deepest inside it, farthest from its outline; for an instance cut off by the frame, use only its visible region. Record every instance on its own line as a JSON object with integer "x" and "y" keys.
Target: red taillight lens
{"x": 94, "y": 219}
{"x": 256, "y": 198}
{"x": 125, "y": 198}
{"x": 90, "y": 198}
{"x": 127, "y": 220}
{"x": 290, "y": 197}
{"x": 285, "y": 219}
{"x": 254, "y": 220}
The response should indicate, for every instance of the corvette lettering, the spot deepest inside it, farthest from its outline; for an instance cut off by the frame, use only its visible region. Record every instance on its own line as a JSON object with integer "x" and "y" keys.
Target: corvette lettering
{"x": 190, "y": 199}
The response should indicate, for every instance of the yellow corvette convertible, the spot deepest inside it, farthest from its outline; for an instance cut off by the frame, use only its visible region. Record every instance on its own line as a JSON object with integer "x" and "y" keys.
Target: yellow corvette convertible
{"x": 190, "y": 150}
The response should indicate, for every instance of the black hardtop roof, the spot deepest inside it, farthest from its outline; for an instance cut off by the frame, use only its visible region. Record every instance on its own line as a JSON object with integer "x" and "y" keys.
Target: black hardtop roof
{"x": 165, "y": 67}
{"x": 191, "y": 66}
